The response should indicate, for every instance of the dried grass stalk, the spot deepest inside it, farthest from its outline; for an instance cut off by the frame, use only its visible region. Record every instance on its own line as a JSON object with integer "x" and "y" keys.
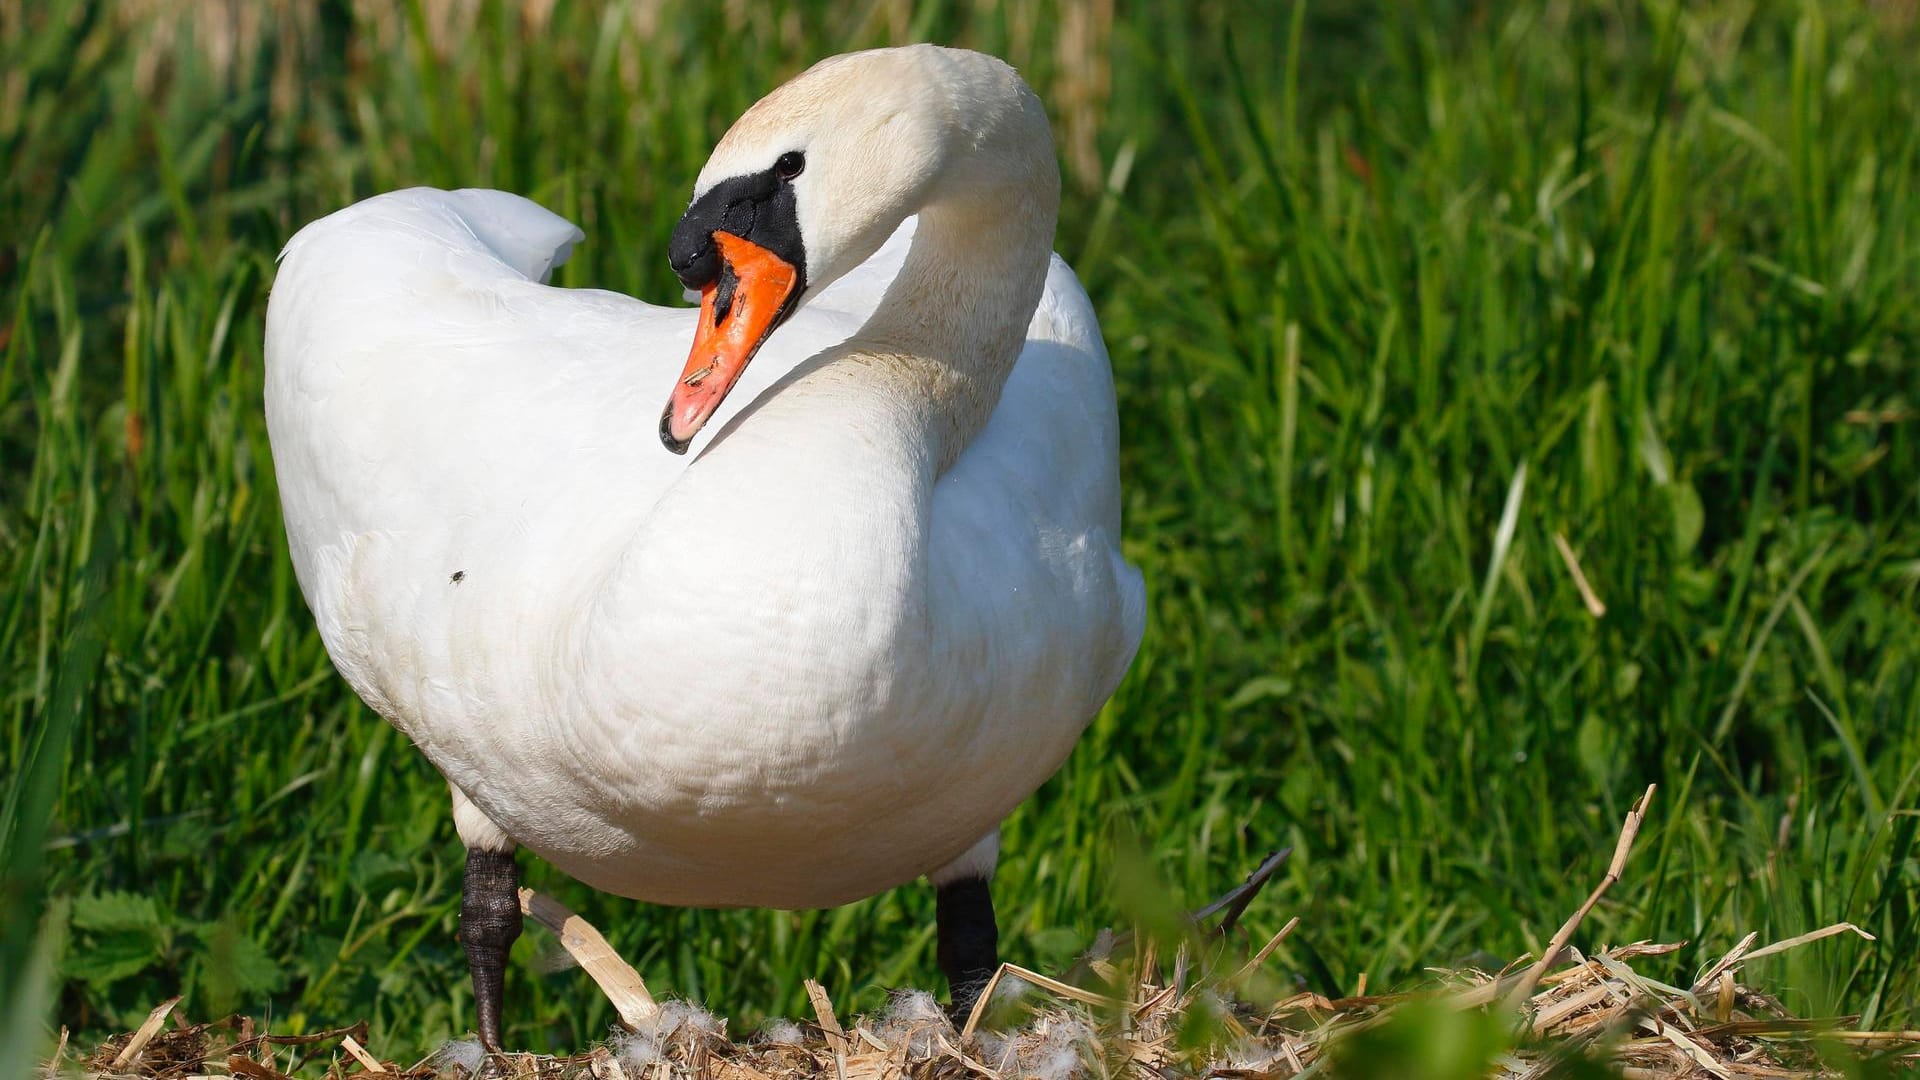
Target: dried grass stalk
{"x": 1565, "y": 1005}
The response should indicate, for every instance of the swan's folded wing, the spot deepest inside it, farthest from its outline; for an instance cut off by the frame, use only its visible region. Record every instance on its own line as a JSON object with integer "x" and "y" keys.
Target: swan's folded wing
{"x": 513, "y": 232}
{"x": 422, "y": 384}
{"x": 525, "y": 235}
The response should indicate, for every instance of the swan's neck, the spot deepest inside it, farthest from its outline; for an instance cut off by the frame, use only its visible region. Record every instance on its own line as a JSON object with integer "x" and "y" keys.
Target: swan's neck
{"x": 798, "y": 536}
{"x": 945, "y": 337}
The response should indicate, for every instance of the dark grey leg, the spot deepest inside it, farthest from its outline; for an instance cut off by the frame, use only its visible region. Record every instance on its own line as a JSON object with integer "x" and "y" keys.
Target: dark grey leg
{"x": 489, "y": 923}
{"x": 969, "y": 947}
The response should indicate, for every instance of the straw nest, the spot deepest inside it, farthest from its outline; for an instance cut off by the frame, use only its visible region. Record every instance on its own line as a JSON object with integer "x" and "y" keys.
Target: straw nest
{"x": 1131, "y": 1007}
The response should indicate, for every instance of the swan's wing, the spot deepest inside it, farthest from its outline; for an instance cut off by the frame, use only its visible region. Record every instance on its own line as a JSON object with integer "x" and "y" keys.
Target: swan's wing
{"x": 417, "y": 366}
{"x": 526, "y": 236}
{"x": 418, "y": 370}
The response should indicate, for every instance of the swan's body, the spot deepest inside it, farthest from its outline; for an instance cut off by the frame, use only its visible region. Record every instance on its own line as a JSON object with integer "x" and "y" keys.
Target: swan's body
{"x": 820, "y": 656}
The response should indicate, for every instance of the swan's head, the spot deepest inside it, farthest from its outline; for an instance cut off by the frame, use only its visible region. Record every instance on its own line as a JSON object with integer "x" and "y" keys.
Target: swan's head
{"x": 813, "y": 178}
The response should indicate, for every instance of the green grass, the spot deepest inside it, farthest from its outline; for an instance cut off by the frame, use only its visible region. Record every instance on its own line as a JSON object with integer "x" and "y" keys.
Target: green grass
{"x": 1396, "y": 293}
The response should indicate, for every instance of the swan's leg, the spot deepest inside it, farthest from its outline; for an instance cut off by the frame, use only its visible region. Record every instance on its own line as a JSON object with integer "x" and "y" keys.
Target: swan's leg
{"x": 969, "y": 938}
{"x": 489, "y": 912}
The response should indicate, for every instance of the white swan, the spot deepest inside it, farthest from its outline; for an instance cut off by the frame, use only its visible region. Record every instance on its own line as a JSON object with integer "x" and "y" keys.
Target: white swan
{"x": 821, "y": 655}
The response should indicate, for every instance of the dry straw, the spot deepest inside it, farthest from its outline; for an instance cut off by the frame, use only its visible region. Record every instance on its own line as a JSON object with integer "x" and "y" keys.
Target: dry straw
{"x": 1132, "y": 1015}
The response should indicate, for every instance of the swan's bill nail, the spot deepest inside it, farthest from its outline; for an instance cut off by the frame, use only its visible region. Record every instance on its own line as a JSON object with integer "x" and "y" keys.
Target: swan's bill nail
{"x": 678, "y": 446}
{"x": 762, "y": 290}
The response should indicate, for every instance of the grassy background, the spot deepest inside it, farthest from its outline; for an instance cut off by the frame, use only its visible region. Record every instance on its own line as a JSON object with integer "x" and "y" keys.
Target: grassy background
{"x": 1398, "y": 295}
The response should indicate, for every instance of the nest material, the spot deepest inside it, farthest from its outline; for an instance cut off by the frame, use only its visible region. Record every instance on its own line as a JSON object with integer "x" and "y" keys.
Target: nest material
{"x": 1597, "y": 1006}
{"x": 1136, "y": 1020}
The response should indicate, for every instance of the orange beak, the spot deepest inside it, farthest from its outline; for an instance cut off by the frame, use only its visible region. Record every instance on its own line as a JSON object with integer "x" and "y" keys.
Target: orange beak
{"x": 736, "y": 315}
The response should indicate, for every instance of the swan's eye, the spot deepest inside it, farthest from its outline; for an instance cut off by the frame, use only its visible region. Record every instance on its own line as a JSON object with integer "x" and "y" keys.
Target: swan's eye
{"x": 789, "y": 165}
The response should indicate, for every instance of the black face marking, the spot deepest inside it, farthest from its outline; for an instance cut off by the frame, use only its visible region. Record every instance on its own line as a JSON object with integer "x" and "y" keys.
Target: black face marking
{"x": 759, "y": 207}
{"x": 458, "y": 577}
